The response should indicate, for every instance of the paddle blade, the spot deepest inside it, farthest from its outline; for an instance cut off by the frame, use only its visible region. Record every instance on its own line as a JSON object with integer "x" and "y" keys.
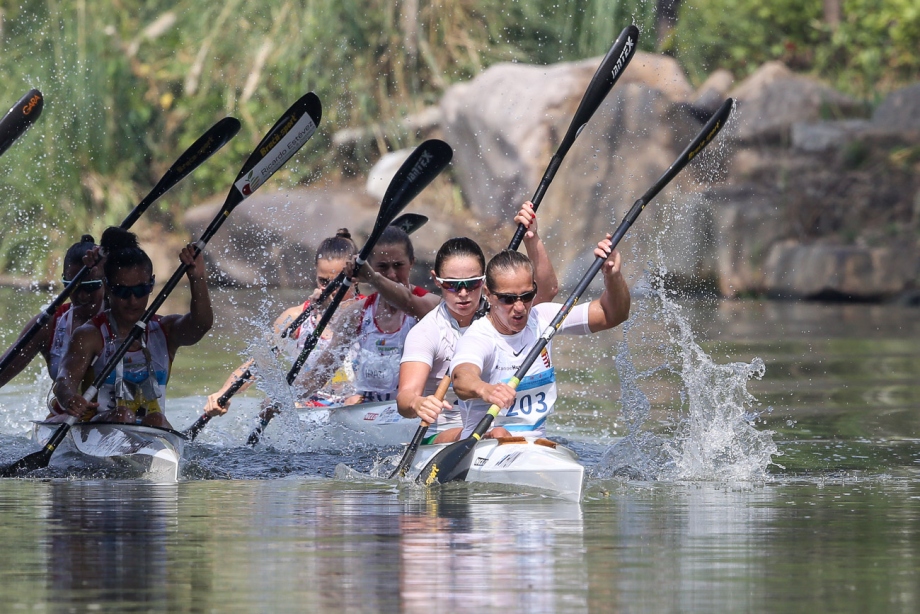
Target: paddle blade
{"x": 606, "y": 76}
{"x": 451, "y": 463}
{"x": 36, "y": 460}
{"x": 19, "y": 118}
{"x": 421, "y": 167}
{"x": 409, "y": 222}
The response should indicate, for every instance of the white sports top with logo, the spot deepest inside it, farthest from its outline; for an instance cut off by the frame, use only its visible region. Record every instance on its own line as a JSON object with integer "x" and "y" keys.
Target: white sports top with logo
{"x": 376, "y": 354}
{"x": 500, "y": 356}
{"x": 432, "y": 342}
{"x": 135, "y": 382}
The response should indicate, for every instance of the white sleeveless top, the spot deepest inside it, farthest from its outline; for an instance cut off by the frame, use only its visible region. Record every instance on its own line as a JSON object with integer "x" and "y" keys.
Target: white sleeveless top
{"x": 376, "y": 354}
{"x": 500, "y": 356}
{"x": 432, "y": 342}
{"x": 60, "y": 338}
{"x": 135, "y": 383}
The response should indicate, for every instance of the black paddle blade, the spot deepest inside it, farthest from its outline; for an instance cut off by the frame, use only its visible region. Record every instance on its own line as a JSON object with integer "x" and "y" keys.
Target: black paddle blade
{"x": 36, "y": 460}
{"x": 609, "y": 71}
{"x": 409, "y": 222}
{"x": 451, "y": 463}
{"x": 302, "y": 117}
{"x": 421, "y": 167}
{"x": 19, "y": 118}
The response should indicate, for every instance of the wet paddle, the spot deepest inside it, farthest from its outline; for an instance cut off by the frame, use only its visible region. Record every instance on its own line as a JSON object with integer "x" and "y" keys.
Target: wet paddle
{"x": 420, "y": 168}
{"x": 607, "y": 74}
{"x": 409, "y": 222}
{"x": 453, "y": 462}
{"x": 288, "y": 135}
{"x": 206, "y": 146}
{"x": 409, "y": 455}
{"x": 19, "y": 118}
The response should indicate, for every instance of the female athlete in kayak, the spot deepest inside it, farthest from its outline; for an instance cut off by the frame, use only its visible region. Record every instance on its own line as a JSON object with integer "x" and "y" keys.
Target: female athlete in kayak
{"x": 135, "y": 390}
{"x": 493, "y": 348}
{"x": 332, "y": 255}
{"x": 52, "y": 339}
{"x": 459, "y": 272}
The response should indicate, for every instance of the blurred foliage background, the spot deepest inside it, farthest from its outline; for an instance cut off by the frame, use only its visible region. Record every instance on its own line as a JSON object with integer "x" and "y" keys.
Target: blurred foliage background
{"x": 129, "y": 84}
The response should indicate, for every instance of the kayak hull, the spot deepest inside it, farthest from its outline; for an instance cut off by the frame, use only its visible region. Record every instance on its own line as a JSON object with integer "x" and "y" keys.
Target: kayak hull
{"x": 366, "y": 424}
{"x": 530, "y": 463}
{"x": 135, "y": 451}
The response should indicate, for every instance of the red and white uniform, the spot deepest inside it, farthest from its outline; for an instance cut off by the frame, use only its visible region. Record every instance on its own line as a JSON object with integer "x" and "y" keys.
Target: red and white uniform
{"x": 376, "y": 354}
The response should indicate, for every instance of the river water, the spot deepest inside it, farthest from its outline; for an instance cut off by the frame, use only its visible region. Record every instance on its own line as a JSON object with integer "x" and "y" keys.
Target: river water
{"x": 743, "y": 456}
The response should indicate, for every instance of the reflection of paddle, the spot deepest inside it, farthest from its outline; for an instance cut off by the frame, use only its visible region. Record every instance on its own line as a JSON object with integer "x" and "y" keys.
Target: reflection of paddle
{"x": 409, "y": 455}
{"x": 607, "y": 74}
{"x": 419, "y": 169}
{"x": 288, "y": 134}
{"x": 453, "y": 462}
{"x": 409, "y": 222}
{"x": 202, "y": 149}
{"x": 20, "y": 118}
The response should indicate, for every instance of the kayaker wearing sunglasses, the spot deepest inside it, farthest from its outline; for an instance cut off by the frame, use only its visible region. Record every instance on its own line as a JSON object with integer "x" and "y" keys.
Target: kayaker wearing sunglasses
{"x": 493, "y": 348}
{"x": 52, "y": 339}
{"x": 135, "y": 390}
{"x": 459, "y": 272}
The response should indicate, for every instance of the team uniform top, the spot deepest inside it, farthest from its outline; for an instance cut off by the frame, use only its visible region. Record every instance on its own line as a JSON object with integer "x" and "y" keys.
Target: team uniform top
{"x": 432, "y": 341}
{"x": 499, "y": 357}
{"x": 376, "y": 354}
{"x": 139, "y": 380}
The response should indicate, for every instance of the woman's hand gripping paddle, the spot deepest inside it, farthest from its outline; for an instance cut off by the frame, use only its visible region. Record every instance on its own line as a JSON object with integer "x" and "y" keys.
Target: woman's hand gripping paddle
{"x": 288, "y": 135}
{"x": 454, "y": 461}
{"x": 421, "y": 167}
{"x": 609, "y": 71}
{"x": 206, "y": 146}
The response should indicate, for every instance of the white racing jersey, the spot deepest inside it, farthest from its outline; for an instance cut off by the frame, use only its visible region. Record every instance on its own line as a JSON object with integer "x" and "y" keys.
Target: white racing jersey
{"x": 432, "y": 341}
{"x": 500, "y": 356}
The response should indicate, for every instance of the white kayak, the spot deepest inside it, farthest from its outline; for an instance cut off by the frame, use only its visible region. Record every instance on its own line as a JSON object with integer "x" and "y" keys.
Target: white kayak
{"x": 366, "y": 424}
{"x": 531, "y": 463}
{"x": 147, "y": 452}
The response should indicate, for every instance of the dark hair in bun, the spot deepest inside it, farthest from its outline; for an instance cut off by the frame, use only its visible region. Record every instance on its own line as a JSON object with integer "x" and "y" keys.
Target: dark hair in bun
{"x": 122, "y": 252}
{"x": 339, "y": 247}
{"x": 76, "y": 251}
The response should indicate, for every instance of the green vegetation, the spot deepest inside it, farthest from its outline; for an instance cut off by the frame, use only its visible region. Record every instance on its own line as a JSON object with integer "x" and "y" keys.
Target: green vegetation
{"x": 129, "y": 84}
{"x": 873, "y": 49}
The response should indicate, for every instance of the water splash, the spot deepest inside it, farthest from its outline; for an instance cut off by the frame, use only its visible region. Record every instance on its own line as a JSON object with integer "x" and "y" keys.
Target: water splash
{"x": 713, "y": 434}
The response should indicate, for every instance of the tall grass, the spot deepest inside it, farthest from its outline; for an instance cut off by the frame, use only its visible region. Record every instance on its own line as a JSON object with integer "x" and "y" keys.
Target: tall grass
{"x": 129, "y": 84}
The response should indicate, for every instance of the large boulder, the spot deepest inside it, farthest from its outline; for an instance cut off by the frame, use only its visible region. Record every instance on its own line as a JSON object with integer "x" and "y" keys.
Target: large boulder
{"x": 774, "y": 98}
{"x": 506, "y": 123}
{"x": 900, "y": 111}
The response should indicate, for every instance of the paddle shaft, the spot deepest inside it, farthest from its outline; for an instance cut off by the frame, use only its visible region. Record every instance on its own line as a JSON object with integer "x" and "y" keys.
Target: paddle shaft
{"x": 202, "y": 149}
{"x": 607, "y": 74}
{"x": 19, "y": 118}
{"x": 409, "y": 455}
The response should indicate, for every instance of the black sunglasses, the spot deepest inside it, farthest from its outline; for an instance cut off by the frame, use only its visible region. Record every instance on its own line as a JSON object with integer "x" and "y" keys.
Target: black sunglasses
{"x": 139, "y": 290}
{"x": 85, "y": 286}
{"x": 511, "y": 299}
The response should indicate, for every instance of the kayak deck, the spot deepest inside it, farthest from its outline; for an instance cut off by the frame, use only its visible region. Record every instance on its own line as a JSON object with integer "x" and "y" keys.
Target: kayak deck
{"x": 146, "y": 452}
{"x": 534, "y": 464}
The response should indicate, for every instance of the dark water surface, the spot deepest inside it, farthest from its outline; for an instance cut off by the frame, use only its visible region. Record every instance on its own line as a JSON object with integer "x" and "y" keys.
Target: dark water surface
{"x": 803, "y": 497}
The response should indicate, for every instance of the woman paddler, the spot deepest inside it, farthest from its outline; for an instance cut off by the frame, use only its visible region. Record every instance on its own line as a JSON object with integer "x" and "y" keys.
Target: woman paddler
{"x": 459, "y": 272}
{"x": 332, "y": 255}
{"x": 372, "y": 331}
{"x": 493, "y": 348}
{"x": 135, "y": 390}
{"x": 52, "y": 339}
